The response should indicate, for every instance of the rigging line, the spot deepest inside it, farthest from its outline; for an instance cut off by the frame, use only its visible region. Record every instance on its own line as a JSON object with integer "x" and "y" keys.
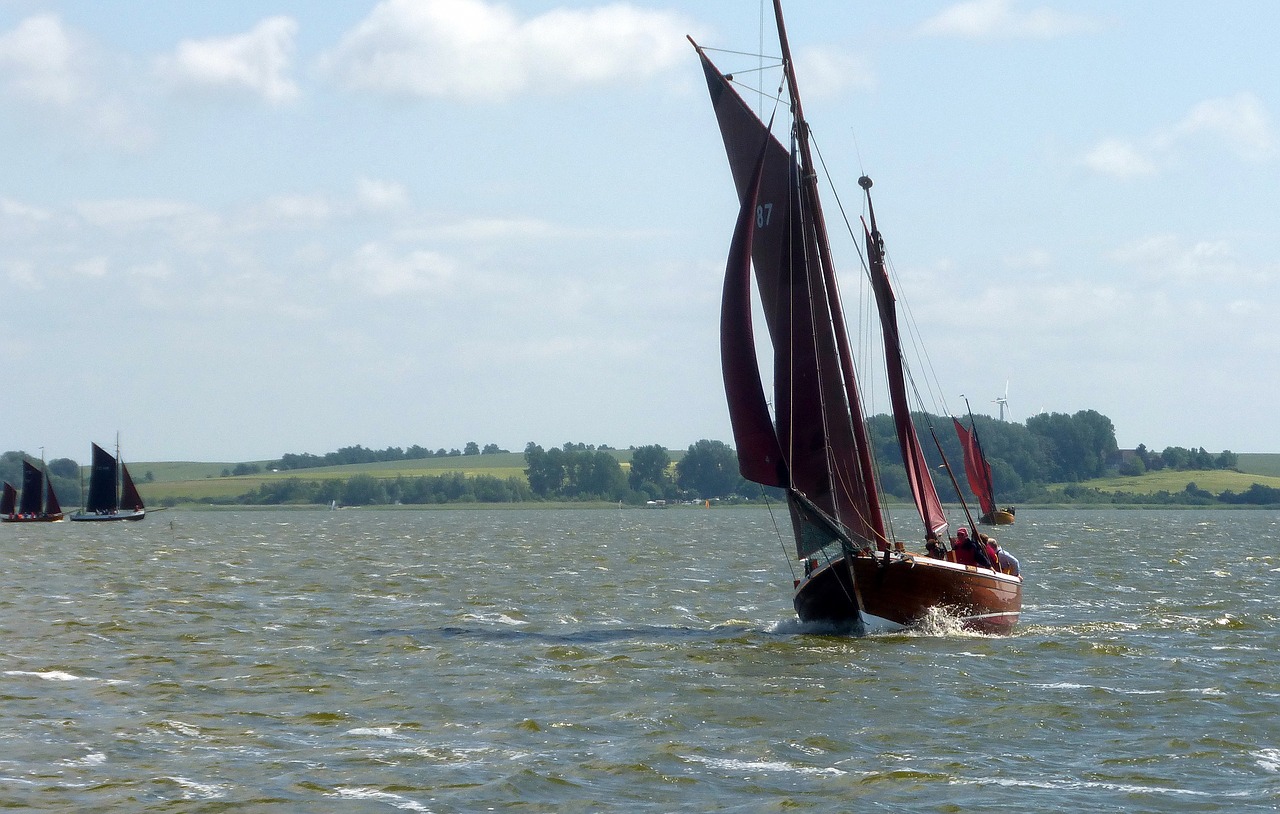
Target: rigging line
{"x": 777, "y": 531}
{"x": 748, "y": 89}
{"x": 864, "y": 317}
{"x": 912, "y": 325}
{"x": 743, "y": 54}
{"x": 932, "y": 382}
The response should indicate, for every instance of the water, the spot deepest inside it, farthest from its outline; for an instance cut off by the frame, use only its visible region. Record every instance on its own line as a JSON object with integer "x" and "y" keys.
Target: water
{"x": 608, "y": 660}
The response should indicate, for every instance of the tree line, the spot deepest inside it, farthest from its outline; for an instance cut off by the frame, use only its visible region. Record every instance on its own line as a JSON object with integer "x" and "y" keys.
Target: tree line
{"x": 1030, "y": 462}
{"x": 360, "y": 455}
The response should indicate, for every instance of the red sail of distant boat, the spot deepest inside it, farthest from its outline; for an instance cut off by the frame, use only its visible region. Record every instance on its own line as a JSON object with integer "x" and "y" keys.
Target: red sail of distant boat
{"x": 976, "y": 469}
{"x": 810, "y": 437}
{"x": 9, "y": 500}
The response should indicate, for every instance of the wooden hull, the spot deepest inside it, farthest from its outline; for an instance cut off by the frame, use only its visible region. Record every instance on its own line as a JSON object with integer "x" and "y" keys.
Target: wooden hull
{"x": 999, "y": 517}
{"x": 903, "y": 589}
{"x": 82, "y": 517}
{"x": 33, "y": 518}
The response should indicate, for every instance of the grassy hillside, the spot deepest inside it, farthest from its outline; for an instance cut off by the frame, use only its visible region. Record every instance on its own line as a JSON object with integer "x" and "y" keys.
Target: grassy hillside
{"x": 195, "y": 481}
{"x": 1215, "y": 481}
{"x": 1260, "y": 463}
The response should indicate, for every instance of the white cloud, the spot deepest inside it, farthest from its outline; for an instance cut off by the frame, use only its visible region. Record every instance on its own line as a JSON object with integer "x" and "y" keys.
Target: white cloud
{"x": 132, "y": 211}
{"x": 37, "y": 58}
{"x": 1168, "y": 257}
{"x": 1239, "y": 123}
{"x": 16, "y": 209}
{"x": 48, "y": 68}
{"x": 1000, "y": 19}
{"x": 378, "y": 195}
{"x": 828, "y": 71}
{"x": 477, "y": 50}
{"x": 91, "y": 267}
{"x": 295, "y": 208}
{"x": 257, "y": 61}
{"x": 385, "y": 274}
{"x": 1119, "y": 159}
{"x": 1031, "y": 259}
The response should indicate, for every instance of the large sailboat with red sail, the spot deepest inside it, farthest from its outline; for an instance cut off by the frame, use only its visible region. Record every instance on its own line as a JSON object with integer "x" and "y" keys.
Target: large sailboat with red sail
{"x": 38, "y": 504}
{"x": 811, "y": 438}
{"x": 978, "y": 473}
{"x": 111, "y": 495}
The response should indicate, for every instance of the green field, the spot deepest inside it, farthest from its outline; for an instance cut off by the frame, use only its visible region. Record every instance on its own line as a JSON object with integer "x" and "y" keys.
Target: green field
{"x": 1215, "y": 481}
{"x": 184, "y": 481}
{"x": 190, "y": 481}
{"x": 1260, "y": 463}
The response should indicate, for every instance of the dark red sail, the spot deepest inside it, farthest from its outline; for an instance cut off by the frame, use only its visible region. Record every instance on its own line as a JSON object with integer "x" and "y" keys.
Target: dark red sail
{"x": 51, "y": 504}
{"x": 976, "y": 469}
{"x": 818, "y": 421}
{"x": 759, "y": 456}
{"x": 103, "y": 478}
{"x": 130, "y": 500}
{"x": 9, "y": 500}
{"x": 928, "y": 504}
{"x": 32, "y": 489}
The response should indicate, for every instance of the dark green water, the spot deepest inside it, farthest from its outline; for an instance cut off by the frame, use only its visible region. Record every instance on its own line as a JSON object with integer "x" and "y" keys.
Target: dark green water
{"x": 581, "y": 661}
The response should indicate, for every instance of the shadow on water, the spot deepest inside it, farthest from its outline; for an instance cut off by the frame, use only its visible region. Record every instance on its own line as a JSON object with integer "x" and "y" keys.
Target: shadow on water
{"x": 652, "y": 633}
{"x": 935, "y": 626}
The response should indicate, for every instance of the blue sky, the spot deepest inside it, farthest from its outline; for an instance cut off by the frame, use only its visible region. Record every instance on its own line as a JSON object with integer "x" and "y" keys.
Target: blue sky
{"x": 233, "y": 230}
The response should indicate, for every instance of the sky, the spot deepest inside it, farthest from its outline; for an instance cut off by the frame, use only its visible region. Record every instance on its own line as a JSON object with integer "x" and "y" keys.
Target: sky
{"x": 238, "y": 229}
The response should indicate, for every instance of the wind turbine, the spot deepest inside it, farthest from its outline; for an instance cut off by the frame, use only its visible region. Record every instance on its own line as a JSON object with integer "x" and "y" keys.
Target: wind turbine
{"x": 1003, "y": 401}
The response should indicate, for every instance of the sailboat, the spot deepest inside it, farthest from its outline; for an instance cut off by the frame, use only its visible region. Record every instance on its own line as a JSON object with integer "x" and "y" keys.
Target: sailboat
{"x": 112, "y": 495}
{"x": 814, "y": 443}
{"x": 38, "y": 504}
{"x": 8, "y": 500}
{"x": 978, "y": 473}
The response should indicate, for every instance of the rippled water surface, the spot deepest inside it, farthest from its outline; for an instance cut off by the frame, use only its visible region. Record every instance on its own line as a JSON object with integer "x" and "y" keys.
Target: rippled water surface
{"x": 609, "y": 660}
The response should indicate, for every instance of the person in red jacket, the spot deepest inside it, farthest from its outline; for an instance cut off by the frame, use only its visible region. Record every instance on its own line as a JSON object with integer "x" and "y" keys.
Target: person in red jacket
{"x": 966, "y": 552}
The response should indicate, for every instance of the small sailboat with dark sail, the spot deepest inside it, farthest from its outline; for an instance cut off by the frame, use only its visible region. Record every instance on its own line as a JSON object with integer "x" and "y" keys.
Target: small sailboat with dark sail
{"x": 111, "y": 495}
{"x": 978, "y": 473}
{"x": 38, "y": 504}
{"x": 814, "y": 443}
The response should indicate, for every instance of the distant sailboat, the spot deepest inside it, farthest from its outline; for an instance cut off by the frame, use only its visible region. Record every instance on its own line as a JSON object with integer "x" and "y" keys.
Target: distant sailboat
{"x": 112, "y": 495}
{"x": 978, "y": 473}
{"x": 39, "y": 503}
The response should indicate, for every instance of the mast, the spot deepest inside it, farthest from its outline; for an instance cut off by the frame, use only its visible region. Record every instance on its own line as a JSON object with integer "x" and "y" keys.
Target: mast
{"x": 809, "y": 186}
